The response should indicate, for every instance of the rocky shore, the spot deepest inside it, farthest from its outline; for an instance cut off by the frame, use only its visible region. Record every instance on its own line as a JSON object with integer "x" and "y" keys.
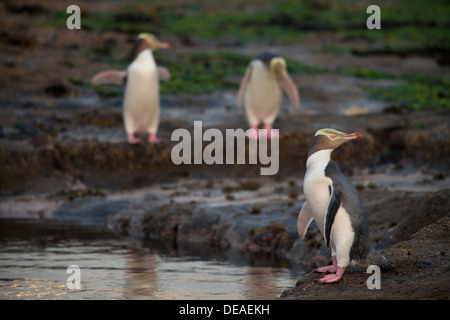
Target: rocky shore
{"x": 138, "y": 193}
{"x": 64, "y": 156}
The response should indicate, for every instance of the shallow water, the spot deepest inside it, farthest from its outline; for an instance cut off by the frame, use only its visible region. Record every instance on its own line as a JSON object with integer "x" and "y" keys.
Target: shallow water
{"x": 35, "y": 255}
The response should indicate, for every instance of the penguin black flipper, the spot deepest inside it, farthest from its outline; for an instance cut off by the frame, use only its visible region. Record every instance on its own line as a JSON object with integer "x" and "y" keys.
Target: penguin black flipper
{"x": 333, "y": 206}
{"x": 341, "y": 192}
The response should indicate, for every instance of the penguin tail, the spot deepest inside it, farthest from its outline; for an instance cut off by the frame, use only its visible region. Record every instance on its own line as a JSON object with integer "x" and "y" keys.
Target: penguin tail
{"x": 376, "y": 258}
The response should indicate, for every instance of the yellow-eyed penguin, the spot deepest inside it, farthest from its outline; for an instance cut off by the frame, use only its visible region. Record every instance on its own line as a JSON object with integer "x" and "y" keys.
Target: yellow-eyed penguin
{"x": 337, "y": 209}
{"x": 141, "y": 99}
{"x": 260, "y": 88}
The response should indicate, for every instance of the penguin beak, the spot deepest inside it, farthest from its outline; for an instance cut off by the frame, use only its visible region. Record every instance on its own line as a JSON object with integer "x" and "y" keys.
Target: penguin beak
{"x": 163, "y": 45}
{"x": 351, "y": 136}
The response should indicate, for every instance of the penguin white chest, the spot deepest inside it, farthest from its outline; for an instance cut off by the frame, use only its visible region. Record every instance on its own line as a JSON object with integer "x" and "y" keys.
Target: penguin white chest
{"x": 141, "y": 100}
{"x": 317, "y": 186}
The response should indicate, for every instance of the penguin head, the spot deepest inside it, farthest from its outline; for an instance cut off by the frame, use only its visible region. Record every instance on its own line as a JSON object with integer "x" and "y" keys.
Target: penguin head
{"x": 277, "y": 66}
{"x": 152, "y": 41}
{"x": 330, "y": 139}
{"x": 147, "y": 41}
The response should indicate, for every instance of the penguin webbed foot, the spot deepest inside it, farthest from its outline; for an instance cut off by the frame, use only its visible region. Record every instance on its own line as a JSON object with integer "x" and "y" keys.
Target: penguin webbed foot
{"x": 253, "y": 132}
{"x": 330, "y": 268}
{"x": 325, "y": 269}
{"x": 333, "y": 277}
{"x": 132, "y": 139}
{"x": 270, "y": 134}
{"x": 152, "y": 138}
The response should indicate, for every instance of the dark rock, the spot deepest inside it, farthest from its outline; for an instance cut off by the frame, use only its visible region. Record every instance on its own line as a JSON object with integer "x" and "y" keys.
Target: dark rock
{"x": 56, "y": 90}
{"x": 89, "y": 211}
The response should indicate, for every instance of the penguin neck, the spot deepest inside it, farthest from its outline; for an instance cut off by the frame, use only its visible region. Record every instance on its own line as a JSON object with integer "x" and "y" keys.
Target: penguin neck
{"x": 145, "y": 54}
{"x": 318, "y": 159}
{"x": 145, "y": 58}
{"x": 140, "y": 47}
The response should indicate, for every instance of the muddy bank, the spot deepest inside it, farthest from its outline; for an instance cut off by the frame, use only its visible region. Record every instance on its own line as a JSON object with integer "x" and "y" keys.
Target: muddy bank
{"x": 255, "y": 220}
{"x": 32, "y": 157}
{"x": 253, "y": 216}
{"x": 270, "y": 227}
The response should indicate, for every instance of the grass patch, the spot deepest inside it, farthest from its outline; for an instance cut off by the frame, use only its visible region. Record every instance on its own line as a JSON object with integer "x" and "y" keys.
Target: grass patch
{"x": 408, "y": 25}
{"x": 240, "y": 27}
{"x": 419, "y": 92}
{"x": 335, "y": 50}
{"x": 405, "y": 24}
{"x": 366, "y": 73}
{"x": 404, "y": 38}
{"x": 186, "y": 20}
{"x": 200, "y": 72}
{"x": 303, "y": 68}
{"x": 204, "y": 72}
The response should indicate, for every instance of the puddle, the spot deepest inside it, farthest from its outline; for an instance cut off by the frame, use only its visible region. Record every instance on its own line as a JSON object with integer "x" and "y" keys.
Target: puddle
{"x": 35, "y": 254}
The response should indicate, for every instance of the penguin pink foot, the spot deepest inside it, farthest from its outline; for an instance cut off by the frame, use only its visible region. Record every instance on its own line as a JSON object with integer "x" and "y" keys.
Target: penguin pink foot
{"x": 253, "y": 132}
{"x": 270, "y": 133}
{"x": 330, "y": 268}
{"x": 152, "y": 138}
{"x": 333, "y": 277}
{"x": 132, "y": 139}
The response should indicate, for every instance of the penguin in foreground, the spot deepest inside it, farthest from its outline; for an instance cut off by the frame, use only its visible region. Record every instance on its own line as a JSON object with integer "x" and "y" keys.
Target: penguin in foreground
{"x": 141, "y": 99}
{"x": 337, "y": 209}
{"x": 260, "y": 88}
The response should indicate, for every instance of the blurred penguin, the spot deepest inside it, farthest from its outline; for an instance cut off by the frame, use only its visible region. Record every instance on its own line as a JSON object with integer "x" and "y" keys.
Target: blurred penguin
{"x": 260, "y": 89}
{"x": 141, "y": 100}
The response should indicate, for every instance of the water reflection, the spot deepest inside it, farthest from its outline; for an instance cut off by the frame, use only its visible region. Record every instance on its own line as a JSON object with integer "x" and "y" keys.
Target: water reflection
{"x": 152, "y": 277}
{"x": 34, "y": 256}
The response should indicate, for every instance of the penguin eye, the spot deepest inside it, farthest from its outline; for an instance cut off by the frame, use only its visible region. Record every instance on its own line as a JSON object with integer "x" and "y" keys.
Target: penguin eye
{"x": 332, "y": 137}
